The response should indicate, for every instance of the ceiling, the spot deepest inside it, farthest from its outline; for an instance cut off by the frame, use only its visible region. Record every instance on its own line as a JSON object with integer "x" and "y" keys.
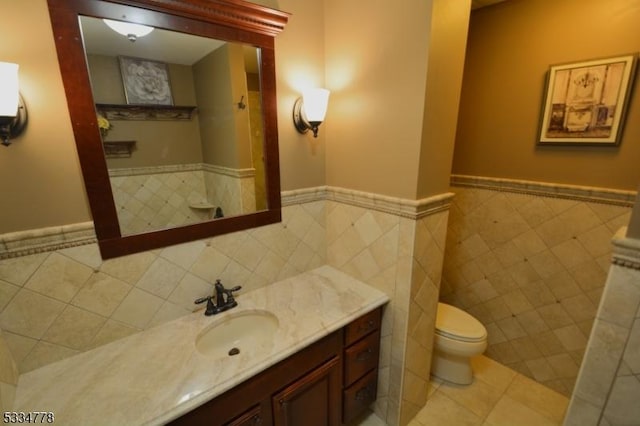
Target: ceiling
{"x": 166, "y": 46}
{"x": 160, "y": 45}
{"x": 475, "y": 4}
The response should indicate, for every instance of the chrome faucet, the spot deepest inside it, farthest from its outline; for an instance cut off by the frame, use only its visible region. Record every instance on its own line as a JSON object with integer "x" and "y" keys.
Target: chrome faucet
{"x": 224, "y": 299}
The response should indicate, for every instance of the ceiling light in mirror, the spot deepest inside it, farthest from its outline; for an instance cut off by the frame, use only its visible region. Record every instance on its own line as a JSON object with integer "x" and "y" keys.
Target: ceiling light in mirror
{"x": 128, "y": 29}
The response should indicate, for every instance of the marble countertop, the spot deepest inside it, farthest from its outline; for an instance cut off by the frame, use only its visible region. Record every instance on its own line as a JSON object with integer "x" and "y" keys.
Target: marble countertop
{"x": 157, "y": 375}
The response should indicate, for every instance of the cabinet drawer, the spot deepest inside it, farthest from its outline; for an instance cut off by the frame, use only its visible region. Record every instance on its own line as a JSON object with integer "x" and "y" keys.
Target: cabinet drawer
{"x": 362, "y": 326}
{"x": 359, "y": 396}
{"x": 361, "y": 357}
{"x": 252, "y": 417}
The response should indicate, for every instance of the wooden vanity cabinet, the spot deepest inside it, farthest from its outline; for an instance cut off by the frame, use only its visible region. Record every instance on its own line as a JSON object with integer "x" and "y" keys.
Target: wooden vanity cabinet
{"x": 361, "y": 353}
{"x": 313, "y": 400}
{"x": 329, "y": 383}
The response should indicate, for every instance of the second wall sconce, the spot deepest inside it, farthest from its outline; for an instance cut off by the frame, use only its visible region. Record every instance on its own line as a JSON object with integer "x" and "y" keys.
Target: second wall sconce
{"x": 13, "y": 113}
{"x": 310, "y": 109}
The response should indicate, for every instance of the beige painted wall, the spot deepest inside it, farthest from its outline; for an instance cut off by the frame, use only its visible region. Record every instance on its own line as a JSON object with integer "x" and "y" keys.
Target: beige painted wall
{"x": 449, "y": 24}
{"x": 396, "y": 79}
{"x": 158, "y": 143}
{"x": 370, "y": 140}
{"x": 376, "y": 63}
{"x": 39, "y": 174}
{"x": 633, "y": 231}
{"x": 40, "y": 177}
{"x": 511, "y": 46}
{"x": 300, "y": 61}
{"x": 225, "y": 128}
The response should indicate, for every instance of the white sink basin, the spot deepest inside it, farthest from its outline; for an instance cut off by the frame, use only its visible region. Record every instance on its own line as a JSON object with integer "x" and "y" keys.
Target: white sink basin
{"x": 237, "y": 334}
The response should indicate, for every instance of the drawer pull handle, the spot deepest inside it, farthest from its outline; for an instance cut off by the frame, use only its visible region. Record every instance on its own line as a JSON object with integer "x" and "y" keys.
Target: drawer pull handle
{"x": 256, "y": 420}
{"x": 364, "y": 355}
{"x": 364, "y": 327}
{"x": 365, "y": 393}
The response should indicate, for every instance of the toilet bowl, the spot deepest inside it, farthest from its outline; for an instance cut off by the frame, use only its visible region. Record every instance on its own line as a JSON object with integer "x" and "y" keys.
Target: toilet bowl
{"x": 458, "y": 337}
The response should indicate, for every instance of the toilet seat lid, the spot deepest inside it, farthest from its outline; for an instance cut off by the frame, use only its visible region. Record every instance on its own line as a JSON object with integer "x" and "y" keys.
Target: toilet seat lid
{"x": 458, "y": 325}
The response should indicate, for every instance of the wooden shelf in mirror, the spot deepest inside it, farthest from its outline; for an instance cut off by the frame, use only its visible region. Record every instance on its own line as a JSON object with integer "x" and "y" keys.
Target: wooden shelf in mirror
{"x": 146, "y": 112}
{"x": 118, "y": 149}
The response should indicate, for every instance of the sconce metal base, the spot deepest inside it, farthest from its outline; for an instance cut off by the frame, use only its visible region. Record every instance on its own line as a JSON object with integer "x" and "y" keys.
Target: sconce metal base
{"x": 10, "y": 127}
{"x": 300, "y": 121}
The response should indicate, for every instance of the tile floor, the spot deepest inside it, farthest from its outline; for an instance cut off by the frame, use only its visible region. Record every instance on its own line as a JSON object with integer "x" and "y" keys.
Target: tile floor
{"x": 498, "y": 396}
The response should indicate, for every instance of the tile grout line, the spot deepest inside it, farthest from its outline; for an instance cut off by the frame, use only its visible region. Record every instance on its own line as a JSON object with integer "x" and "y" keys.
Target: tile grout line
{"x": 502, "y": 394}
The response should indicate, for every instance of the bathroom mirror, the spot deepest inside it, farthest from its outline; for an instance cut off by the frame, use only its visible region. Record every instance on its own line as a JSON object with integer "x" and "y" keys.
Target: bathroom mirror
{"x": 175, "y": 130}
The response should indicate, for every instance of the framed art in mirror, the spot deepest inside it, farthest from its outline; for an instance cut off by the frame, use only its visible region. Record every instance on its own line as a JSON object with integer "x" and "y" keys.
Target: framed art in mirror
{"x": 153, "y": 196}
{"x": 145, "y": 81}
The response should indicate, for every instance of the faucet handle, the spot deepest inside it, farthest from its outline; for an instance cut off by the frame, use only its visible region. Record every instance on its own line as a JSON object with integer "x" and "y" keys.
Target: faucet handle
{"x": 231, "y": 301}
{"x": 229, "y": 291}
{"x": 211, "y": 308}
{"x": 201, "y": 300}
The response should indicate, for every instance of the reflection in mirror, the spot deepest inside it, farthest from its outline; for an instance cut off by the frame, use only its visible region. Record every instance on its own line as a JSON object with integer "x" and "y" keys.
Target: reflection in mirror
{"x": 168, "y": 90}
{"x": 183, "y": 135}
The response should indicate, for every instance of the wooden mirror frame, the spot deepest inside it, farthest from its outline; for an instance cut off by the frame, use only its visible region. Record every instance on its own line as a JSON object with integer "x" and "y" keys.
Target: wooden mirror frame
{"x": 229, "y": 20}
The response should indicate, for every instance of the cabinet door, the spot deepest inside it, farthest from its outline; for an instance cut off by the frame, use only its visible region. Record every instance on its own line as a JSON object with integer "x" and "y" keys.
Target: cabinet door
{"x": 312, "y": 400}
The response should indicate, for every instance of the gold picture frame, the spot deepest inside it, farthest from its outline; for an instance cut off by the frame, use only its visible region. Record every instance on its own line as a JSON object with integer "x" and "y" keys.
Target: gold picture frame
{"x": 585, "y": 102}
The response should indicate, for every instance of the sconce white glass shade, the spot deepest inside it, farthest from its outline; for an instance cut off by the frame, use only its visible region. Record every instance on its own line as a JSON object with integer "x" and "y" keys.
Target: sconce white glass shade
{"x": 315, "y": 102}
{"x": 128, "y": 29}
{"x": 9, "y": 91}
{"x": 310, "y": 109}
{"x": 13, "y": 113}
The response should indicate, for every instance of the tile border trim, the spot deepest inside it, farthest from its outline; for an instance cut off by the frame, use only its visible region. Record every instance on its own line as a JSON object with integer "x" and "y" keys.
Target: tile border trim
{"x": 556, "y": 190}
{"x": 411, "y": 209}
{"x": 304, "y": 195}
{"x": 626, "y": 251}
{"x": 154, "y": 170}
{"x": 23, "y": 243}
{"x": 180, "y": 168}
{"x": 228, "y": 171}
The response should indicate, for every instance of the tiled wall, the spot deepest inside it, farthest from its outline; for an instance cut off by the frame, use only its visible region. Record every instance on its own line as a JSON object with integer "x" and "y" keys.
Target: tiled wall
{"x": 8, "y": 376}
{"x": 231, "y": 189}
{"x": 532, "y": 269}
{"x": 159, "y": 197}
{"x": 55, "y": 304}
{"x": 608, "y": 386}
{"x": 426, "y": 270}
{"x": 400, "y": 255}
{"x": 367, "y": 245}
{"x": 58, "y": 303}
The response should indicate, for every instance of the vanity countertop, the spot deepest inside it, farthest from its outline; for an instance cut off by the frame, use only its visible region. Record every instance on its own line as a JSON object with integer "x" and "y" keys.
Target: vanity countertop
{"x": 157, "y": 375}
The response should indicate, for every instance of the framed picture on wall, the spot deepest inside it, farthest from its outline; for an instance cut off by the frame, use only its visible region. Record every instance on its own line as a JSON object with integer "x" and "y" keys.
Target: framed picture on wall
{"x": 145, "y": 82}
{"x": 585, "y": 102}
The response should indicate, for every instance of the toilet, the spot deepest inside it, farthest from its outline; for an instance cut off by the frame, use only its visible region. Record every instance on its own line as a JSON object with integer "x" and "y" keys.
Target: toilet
{"x": 458, "y": 337}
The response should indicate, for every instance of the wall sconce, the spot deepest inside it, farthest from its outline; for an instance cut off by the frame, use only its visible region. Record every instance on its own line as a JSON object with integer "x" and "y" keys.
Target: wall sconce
{"x": 13, "y": 113}
{"x": 128, "y": 29}
{"x": 310, "y": 109}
